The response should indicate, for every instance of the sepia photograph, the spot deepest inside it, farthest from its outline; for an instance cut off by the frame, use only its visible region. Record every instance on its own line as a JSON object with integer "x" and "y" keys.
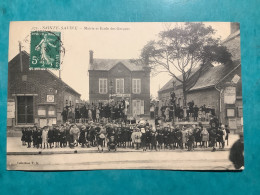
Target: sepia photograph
{"x": 124, "y": 95}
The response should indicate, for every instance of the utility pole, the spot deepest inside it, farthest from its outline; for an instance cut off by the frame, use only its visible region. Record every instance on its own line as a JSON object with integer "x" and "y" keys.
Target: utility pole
{"x": 20, "y": 53}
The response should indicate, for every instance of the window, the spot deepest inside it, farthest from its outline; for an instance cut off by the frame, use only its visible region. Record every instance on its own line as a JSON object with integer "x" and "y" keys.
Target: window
{"x": 119, "y": 85}
{"x": 136, "y": 85}
{"x": 230, "y": 112}
{"x": 103, "y": 86}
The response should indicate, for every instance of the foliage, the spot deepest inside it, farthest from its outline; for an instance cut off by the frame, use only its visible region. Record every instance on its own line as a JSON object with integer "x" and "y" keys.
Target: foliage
{"x": 184, "y": 50}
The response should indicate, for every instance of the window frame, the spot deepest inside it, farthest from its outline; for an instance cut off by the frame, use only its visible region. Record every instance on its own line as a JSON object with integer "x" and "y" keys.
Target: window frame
{"x": 118, "y": 87}
{"x": 104, "y": 89}
{"x": 135, "y": 90}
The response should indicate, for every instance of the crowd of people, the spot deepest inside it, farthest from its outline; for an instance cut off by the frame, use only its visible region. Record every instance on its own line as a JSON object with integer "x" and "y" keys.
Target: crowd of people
{"x": 94, "y": 112}
{"x": 202, "y": 113}
{"x": 140, "y": 135}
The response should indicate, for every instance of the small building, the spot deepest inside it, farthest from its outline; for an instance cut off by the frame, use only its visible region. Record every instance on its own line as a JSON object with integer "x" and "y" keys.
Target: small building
{"x": 120, "y": 79}
{"x": 36, "y": 96}
{"x": 219, "y": 87}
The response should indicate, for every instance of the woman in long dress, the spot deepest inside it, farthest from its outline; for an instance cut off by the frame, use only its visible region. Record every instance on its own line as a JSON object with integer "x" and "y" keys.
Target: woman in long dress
{"x": 42, "y": 46}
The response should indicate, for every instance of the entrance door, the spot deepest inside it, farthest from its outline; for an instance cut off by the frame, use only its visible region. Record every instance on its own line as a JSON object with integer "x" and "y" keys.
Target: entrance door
{"x": 138, "y": 107}
{"x": 24, "y": 109}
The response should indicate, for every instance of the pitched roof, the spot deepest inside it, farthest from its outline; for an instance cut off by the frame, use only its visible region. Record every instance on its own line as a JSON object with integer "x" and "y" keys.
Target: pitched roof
{"x": 211, "y": 77}
{"x": 214, "y": 75}
{"x": 107, "y": 64}
{"x": 169, "y": 84}
{"x": 26, "y": 55}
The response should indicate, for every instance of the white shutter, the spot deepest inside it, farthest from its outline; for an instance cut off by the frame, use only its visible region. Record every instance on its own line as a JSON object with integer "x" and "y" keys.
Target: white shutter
{"x": 142, "y": 106}
{"x": 133, "y": 82}
{"x": 122, "y": 86}
{"x": 138, "y": 86}
{"x": 117, "y": 85}
{"x": 100, "y": 85}
{"x": 105, "y": 85}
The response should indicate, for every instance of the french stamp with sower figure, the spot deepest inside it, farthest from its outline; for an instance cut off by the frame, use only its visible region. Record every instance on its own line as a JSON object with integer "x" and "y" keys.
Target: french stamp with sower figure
{"x": 45, "y": 50}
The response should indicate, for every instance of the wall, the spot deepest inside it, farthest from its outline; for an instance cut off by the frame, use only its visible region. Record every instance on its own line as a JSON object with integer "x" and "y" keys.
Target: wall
{"x": 38, "y": 82}
{"x": 120, "y": 71}
{"x": 209, "y": 97}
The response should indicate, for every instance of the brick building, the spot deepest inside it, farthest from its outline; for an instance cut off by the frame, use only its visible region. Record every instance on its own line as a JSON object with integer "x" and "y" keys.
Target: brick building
{"x": 35, "y": 96}
{"x": 119, "y": 79}
{"x": 218, "y": 87}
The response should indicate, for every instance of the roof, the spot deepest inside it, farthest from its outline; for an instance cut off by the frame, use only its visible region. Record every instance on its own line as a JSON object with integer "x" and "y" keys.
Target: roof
{"x": 169, "y": 84}
{"x": 107, "y": 64}
{"x": 211, "y": 77}
{"x": 49, "y": 72}
{"x": 214, "y": 75}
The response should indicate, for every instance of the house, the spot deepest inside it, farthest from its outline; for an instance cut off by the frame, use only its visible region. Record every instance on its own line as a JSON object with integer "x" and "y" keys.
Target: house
{"x": 36, "y": 96}
{"x": 120, "y": 79}
{"x": 219, "y": 87}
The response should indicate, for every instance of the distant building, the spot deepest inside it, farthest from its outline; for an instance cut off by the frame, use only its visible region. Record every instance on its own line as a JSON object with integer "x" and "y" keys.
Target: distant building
{"x": 36, "y": 96}
{"x": 118, "y": 79}
{"x": 219, "y": 87}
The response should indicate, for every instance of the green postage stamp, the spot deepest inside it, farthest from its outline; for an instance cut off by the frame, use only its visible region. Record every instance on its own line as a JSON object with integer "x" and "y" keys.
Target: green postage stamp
{"x": 45, "y": 50}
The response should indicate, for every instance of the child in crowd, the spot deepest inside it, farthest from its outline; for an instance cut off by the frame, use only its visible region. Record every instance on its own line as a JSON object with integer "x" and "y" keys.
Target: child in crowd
{"x": 45, "y": 133}
{"x": 112, "y": 144}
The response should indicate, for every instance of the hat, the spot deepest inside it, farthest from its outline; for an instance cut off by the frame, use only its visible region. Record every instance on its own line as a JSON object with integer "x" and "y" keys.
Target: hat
{"x": 102, "y": 136}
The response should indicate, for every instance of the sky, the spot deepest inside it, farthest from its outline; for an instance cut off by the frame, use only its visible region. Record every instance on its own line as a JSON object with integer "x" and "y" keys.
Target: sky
{"x": 114, "y": 40}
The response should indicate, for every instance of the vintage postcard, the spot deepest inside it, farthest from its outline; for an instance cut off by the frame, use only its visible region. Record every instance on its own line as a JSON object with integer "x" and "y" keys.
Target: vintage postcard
{"x": 100, "y": 95}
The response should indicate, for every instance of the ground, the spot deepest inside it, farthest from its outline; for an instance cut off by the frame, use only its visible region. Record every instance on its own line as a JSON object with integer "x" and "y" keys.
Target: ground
{"x": 23, "y": 158}
{"x": 171, "y": 160}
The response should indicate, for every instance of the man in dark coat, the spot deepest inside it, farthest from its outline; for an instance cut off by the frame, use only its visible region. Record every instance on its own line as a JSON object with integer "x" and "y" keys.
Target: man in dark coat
{"x": 62, "y": 137}
{"x": 64, "y": 115}
{"x": 196, "y": 111}
{"x": 236, "y": 155}
{"x": 39, "y": 138}
{"x": 82, "y": 136}
{"x": 213, "y": 137}
{"x": 34, "y": 136}
{"x": 29, "y": 137}
{"x": 51, "y": 136}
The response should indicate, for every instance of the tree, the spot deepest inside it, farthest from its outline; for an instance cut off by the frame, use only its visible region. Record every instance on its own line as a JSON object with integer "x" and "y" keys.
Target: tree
{"x": 182, "y": 51}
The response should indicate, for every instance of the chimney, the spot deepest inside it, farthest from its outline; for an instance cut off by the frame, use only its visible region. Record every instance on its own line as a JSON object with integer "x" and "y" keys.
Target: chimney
{"x": 235, "y": 26}
{"x": 91, "y": 57}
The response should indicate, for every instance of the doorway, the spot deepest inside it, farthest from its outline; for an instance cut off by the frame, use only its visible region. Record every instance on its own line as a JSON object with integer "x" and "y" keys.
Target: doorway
{"x": 25, "y": 109}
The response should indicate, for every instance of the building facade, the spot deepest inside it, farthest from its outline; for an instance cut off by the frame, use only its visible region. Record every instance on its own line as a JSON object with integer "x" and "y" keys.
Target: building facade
{"x": 115, "y": 79}
{"x": 36, "y": 96}
{"x": 219, "y": 87}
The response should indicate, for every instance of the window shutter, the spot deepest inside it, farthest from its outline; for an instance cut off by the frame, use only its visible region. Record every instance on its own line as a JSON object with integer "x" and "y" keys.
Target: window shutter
{"x": 100, "y": 85}
{"x": 117, "y": 85}
{"x": 105, "y": 85}
{"x": 139, "y": 86}
{"x": 133, "y": 85}
{"x": 142, "y": 106}
{"x": 122, "y": 86}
